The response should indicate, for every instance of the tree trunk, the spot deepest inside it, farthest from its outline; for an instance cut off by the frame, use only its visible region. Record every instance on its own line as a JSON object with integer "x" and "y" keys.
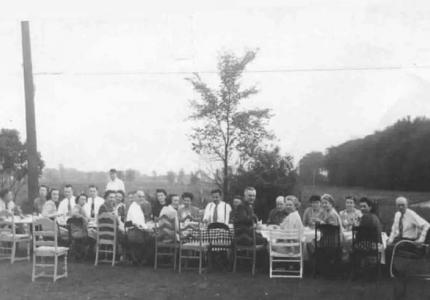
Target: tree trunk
{"x": 225, "y": 180}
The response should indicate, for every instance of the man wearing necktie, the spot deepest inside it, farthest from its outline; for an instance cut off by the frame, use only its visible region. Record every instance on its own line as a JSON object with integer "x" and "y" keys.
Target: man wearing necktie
{"x": 407, "y": 225}
{"x": 65, "y": 209}
{"x": 217, "y": 211}
{"x": 94, "y": 202}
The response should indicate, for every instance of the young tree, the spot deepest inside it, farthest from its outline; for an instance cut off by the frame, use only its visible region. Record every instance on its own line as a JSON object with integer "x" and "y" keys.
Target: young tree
{"x": 226, "y": 131}
{"x": 13, "y": 161}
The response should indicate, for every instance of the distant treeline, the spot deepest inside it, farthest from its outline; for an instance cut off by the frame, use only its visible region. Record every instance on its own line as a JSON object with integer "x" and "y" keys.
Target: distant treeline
{"x": 396, "y": 158}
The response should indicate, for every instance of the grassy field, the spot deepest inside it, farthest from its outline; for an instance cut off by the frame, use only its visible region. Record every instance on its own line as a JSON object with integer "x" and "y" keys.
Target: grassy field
{"x": 86, "y": 281}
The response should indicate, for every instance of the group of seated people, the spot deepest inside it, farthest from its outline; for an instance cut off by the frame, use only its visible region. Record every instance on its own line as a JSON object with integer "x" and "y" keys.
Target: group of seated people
{"x": 133, "y": 210}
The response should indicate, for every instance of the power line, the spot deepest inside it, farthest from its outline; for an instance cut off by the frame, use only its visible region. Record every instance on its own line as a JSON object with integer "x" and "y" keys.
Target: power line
{"x": 284, "y": 70}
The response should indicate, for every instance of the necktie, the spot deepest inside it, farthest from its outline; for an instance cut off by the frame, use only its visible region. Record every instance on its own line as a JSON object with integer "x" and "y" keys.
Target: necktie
{"x": 69, "y": 207}
{"x": 215, "y": 218}
{"x": 92, "y": 208}
{"x": 401, "y": 226}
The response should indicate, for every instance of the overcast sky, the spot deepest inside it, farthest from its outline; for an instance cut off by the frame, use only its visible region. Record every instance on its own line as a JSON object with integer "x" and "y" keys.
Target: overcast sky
{"x": 110, "y": 88}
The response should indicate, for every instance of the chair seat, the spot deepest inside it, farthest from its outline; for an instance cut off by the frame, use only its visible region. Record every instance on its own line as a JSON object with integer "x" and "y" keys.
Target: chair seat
{"x": 195, "y": 245}
{"x": 9, "y": 237}
{"x": 285, "y": 255}
{"x": 49, "y": 250}
{"x": 250, "y": 248}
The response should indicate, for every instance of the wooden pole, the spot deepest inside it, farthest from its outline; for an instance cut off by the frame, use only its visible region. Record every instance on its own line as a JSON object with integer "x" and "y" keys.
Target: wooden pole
{"x": 30, "y": 116}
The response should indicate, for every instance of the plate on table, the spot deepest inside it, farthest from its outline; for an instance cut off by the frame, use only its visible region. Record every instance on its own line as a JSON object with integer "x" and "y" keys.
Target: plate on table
{"x": 273, "y": 227}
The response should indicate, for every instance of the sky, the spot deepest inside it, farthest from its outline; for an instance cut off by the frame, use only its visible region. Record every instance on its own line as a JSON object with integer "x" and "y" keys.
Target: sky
{"x": 110, "y": 76}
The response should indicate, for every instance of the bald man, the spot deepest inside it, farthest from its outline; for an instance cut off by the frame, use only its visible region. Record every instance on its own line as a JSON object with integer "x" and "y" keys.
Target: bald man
{"x": 407, "y": 225}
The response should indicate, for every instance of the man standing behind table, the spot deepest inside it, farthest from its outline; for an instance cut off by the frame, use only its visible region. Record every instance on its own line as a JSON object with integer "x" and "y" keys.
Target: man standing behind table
{"x": 217, "y": 211}
{"x": 114, "y": 184}
{"x": 94, "y": 202}
{"x": 66, "y": 205}
{"x": 40, "y": 201}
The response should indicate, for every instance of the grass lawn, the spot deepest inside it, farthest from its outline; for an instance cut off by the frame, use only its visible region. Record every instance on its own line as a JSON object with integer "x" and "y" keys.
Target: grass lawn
{"x": 86, "y": 281}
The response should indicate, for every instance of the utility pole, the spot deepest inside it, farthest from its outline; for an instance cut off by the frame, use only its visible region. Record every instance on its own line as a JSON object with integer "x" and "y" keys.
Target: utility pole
{"x": 30, "y": 117}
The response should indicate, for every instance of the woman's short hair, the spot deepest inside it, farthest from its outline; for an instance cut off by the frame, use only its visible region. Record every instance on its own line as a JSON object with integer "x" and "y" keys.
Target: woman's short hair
{"x": 350, "y": 198}
{"x": 370, "y": 203}
{"x": 315, "y": 198}
{"x": 280, "y": 198}
{"x": 51, "y": 191}
{"x": 328, "y": 198}
{"x": 295, "y": 200}
{"x": 108, "y": 192}
{"x": 161, "y": 191}
{"x": 81, "y": 195}
{"x": 188, "y": 195}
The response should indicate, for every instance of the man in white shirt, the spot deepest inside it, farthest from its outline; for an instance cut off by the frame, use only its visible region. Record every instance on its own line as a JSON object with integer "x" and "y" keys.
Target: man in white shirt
{"x": 65, "y": 207}
{"x": 94, "y": 202}
{"x": 407, "y": 224}
{"x": 135, "y": 213}
{"x": 217, "y": 211}
{"x": 115, "y": 184}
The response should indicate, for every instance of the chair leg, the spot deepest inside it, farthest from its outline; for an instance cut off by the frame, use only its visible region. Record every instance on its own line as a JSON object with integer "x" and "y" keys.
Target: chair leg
{"x": 175, "y": 253}
{"x": 234, "y": 260}
{"x": 180, "y": 260}
{"x": 28, "y": 250}
{"x": 65, "y": 265}
{"x": 270, "y": 266}
{"x": 200, "y": 261}
{"x": 33, "y": 274}
{"x": 254, "y": 258}
{"x": 55, "y": 267}
{"x": 156, "y": 257}
{"x": 113, "y": 255}
{"x": 13, "y": 253}
{"x": 97, "y": 255}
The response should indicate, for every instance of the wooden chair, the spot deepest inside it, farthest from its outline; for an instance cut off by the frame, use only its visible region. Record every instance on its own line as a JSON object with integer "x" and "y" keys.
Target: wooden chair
{"x": 365, "y": 246}
{"x": 166, "y": 241}
{"x": 328, "y": 251}
{"x": 245, "y": 245}
{"x": 191, "y": 242}
{"x": 106, "y": 242}
{"x": 285, "y": 248}
{"x": 45, "y": 245}
{"x": 410, "y": 262}
{"x": 9, "y": 240}
{"x": 78, "y": 237}
{"x": 219, "y": 237}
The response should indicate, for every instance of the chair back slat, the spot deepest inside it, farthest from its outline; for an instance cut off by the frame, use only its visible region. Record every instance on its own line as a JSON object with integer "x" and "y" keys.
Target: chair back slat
{"x": 165, "y": 230}
{"x": 106, "y": 226}
{"x": 45, "y": 232}
{"x": 219, "y": 235}
{"x": 365, "y": 238}
{"x": 329, "y": 236}
{"x": 244, "y": 234}
{"x": 190, "y": 232}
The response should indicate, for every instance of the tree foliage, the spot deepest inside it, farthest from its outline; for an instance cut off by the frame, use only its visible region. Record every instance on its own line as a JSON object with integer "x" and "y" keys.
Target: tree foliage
{"x": 14, "y": 160}
{"x": 395, "y": 158}
{"x": 226, "y": 131}
{"x": 271, "y": 173}
{"x": 310, "y": 168}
